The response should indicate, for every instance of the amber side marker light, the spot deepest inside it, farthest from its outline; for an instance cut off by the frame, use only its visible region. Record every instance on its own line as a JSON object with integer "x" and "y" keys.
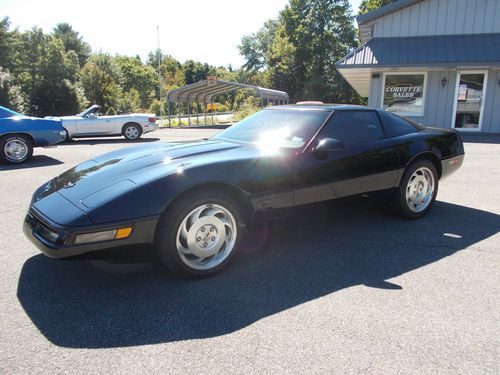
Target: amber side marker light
{"x": 108, "y": 235}
{"x": 123, "y": 233}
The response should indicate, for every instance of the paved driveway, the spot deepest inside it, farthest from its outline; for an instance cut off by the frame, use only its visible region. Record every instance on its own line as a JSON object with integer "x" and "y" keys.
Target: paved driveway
{"x": 343, "y": 288}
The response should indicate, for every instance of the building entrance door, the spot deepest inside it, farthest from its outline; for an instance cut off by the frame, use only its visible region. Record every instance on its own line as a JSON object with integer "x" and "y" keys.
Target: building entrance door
{"x": 469, "y": 100}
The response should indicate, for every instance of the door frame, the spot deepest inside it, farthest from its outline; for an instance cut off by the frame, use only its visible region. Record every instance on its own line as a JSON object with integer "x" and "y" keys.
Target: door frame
{"x": 455, "y": 99}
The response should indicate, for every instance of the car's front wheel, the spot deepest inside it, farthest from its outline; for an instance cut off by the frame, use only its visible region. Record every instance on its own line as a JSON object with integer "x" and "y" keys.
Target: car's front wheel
{"x": 132, "y": 131}
{"x": 198, "y": 236}
{"x": 418, "y": 189}
{"x": 15, "y": 149}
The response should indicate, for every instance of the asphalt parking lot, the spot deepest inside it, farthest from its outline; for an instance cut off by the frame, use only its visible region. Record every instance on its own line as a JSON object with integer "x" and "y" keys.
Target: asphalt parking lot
{"x": 344, "y": 288}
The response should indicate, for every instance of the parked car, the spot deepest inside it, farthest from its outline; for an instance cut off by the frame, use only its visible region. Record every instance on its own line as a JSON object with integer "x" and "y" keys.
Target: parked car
{"x": 90, "y": 123}
{"x": 20, "y": 133}
{"x": 194, "y": 200}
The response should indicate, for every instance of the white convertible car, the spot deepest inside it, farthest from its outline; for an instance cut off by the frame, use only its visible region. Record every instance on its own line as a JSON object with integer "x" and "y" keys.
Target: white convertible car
{"x": 90, "y": 124}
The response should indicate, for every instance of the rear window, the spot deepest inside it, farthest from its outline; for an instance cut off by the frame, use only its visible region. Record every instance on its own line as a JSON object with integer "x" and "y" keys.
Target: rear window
{"x": 395, "y": 126}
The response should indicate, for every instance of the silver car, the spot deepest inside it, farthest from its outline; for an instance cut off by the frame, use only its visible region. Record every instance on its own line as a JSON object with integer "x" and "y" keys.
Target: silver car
{"x": 90, "y": 123}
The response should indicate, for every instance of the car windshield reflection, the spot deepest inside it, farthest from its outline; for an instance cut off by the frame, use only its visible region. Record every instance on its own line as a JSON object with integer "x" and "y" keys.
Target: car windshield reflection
{"x": 276, "y": 128}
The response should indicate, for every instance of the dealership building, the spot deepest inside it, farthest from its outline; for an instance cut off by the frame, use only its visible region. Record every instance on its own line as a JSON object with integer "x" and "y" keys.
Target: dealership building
{"x": 434, "y": 61}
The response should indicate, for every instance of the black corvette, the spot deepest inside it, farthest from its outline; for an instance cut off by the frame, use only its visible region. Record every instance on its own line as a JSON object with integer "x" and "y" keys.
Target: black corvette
{"x": 194, "y": 200}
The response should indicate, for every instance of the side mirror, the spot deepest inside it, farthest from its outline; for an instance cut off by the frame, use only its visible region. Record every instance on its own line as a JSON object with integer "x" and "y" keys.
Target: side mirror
{"x": 329, "y": 145}
{"x": 91, "y": 115}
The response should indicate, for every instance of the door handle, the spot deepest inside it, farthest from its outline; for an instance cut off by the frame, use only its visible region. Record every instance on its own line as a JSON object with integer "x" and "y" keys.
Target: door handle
{"x": 108, "y": 120}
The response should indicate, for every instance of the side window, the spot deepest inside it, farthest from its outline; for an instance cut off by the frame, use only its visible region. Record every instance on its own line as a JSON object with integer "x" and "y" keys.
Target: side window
{"x": 395, "y": 126}
{"x": 353, "y": 127}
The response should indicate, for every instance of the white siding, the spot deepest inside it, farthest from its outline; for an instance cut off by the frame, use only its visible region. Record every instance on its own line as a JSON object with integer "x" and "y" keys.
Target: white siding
{"x": 440, "y": 17}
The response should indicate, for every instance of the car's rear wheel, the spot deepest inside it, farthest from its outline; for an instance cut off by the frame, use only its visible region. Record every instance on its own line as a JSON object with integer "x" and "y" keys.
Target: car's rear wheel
{"x": 132, "y": 131}
{"x": 198, "y": 236}
{"x": 15, "y": 149}
{"x": 418, "y": 190}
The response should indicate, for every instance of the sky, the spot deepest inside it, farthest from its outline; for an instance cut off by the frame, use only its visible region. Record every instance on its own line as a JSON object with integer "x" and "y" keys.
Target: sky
{"x": 201, "y": 30}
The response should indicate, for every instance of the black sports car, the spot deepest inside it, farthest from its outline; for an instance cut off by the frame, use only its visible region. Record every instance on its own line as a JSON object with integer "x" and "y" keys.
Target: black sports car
{"x": 194, "y": 200}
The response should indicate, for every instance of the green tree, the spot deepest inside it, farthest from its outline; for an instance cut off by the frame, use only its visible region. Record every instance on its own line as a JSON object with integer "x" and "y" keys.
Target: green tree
{"x": 195, "y": 71}
{"x": 100, "y": 79}
{"x": 10, "y": 93}
{"x": 55, "y": 93}
{"x": 255, "y": 47}
{"x": 72, "y": 41}
{"x": 369, "y": 5}
{"x": 138, "y": 76}
{"x": 300, "y": 48}
{"x": 9, "y": 46}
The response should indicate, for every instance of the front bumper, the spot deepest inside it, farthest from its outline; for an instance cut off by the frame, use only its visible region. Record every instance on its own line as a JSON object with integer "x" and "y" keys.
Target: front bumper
{"x": 57, "y": 241}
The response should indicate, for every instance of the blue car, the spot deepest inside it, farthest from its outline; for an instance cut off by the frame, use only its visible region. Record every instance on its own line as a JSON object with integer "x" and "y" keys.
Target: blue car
{"x": 20, "y": 133}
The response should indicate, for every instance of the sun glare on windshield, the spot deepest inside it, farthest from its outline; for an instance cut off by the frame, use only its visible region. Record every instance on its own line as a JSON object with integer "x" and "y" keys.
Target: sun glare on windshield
{"x": 273, "y": 129}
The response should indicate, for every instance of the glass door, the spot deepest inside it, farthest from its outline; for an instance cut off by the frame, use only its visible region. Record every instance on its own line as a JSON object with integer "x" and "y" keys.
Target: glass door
{"x": 469, "y": 100}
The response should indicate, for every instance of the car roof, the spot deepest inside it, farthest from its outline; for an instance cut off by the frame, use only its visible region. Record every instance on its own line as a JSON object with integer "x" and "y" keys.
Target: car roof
{"x": 324, "y": 107}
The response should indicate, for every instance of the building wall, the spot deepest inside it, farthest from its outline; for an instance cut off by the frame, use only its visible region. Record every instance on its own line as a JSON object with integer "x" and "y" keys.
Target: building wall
{"x": 491, "y": 119}
{"x": 437, "y": 17}
{"x": 439, "y": 100}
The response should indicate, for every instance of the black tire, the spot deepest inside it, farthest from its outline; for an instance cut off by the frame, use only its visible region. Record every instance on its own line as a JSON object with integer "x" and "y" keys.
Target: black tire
{"x": 6, "y": 152}
{"x": 132, "y": 131}
{"x": 169, "y": 226}
{"x": 67, "y": 139}
{"x": 406, "y": 208}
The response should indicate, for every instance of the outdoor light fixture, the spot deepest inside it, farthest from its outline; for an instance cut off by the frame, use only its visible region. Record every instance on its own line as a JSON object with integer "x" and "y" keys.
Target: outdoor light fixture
{"x": 443, "y": 82}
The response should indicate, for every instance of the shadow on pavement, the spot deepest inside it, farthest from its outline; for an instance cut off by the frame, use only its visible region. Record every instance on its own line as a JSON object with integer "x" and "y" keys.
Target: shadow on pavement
{"x": 327, "y": 249}
{"x": 101, "y": 141}
{"x": 35, "y": 162}
{"x": 481, "y": 138}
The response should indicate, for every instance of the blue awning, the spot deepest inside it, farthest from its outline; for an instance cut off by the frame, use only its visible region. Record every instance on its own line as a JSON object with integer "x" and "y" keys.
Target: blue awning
{"x": 479, "y": 50}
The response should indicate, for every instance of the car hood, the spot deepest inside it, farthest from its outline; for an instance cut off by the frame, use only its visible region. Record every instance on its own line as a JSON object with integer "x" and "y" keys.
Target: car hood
{"x": 120, "y": 171}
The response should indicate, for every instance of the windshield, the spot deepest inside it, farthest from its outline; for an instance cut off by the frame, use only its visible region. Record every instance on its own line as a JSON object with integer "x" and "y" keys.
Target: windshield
{"x": 282, "y": 128}
{"x": 89, "y": 110}
{"x": 5, "y": 112}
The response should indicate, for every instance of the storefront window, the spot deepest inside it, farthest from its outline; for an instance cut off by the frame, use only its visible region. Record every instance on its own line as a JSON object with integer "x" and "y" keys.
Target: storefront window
{"x": 404, "y": 94}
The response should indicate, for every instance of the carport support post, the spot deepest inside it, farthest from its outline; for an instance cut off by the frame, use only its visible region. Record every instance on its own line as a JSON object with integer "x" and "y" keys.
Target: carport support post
{"x": 179, "y": 113}
{"x": 169, "y": 114}
{"x": 213, "y": 110}
{"x": 189, "y": 113}
{"x": 197, "y": 113}
{"x": 205, "y": 111}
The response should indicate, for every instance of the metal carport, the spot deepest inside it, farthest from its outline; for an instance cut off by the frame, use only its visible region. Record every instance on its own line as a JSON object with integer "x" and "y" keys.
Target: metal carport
{"x": 206, "y": 91}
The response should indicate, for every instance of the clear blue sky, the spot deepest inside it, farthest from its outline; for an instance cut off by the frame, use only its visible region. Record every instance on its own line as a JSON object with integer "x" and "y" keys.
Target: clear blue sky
{"x": 207, "y": 31}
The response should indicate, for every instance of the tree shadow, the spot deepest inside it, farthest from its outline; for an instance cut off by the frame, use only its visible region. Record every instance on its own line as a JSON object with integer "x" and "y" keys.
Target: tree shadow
{"x": 103, "y": 140}
{"x": 324, "y": 250}
{"x": 35, "y": 162}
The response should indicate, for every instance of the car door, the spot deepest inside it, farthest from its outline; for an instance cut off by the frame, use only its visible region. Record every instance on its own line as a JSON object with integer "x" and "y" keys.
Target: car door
{"x": 95, "y": 125}
{"x": 367, "y": 161}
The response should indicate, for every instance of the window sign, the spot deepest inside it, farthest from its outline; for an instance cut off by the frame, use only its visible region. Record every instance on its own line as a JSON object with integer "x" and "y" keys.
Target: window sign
{"x": 462, "y": 92}
{"x": 404, "y": 94}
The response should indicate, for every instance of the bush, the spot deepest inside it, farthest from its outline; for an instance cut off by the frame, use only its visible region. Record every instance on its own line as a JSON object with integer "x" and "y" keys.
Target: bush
{"x": 248, "y": 107}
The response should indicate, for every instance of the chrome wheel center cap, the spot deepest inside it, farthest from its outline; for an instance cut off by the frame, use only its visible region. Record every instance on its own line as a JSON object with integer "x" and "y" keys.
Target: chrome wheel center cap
{"x": 206, "y": 236}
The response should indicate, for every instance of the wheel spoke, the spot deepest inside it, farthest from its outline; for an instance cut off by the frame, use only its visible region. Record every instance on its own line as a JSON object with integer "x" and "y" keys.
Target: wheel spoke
{"x": 206, "y": 236}
{"x": 420, "y": 190}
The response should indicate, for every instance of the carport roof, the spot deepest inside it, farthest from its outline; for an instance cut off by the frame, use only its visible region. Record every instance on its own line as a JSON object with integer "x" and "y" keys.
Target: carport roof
{"x": 205, "y": 91}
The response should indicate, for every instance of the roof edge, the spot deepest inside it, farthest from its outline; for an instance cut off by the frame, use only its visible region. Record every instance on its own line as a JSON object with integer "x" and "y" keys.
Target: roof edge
{"x": 385, "y": 10}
